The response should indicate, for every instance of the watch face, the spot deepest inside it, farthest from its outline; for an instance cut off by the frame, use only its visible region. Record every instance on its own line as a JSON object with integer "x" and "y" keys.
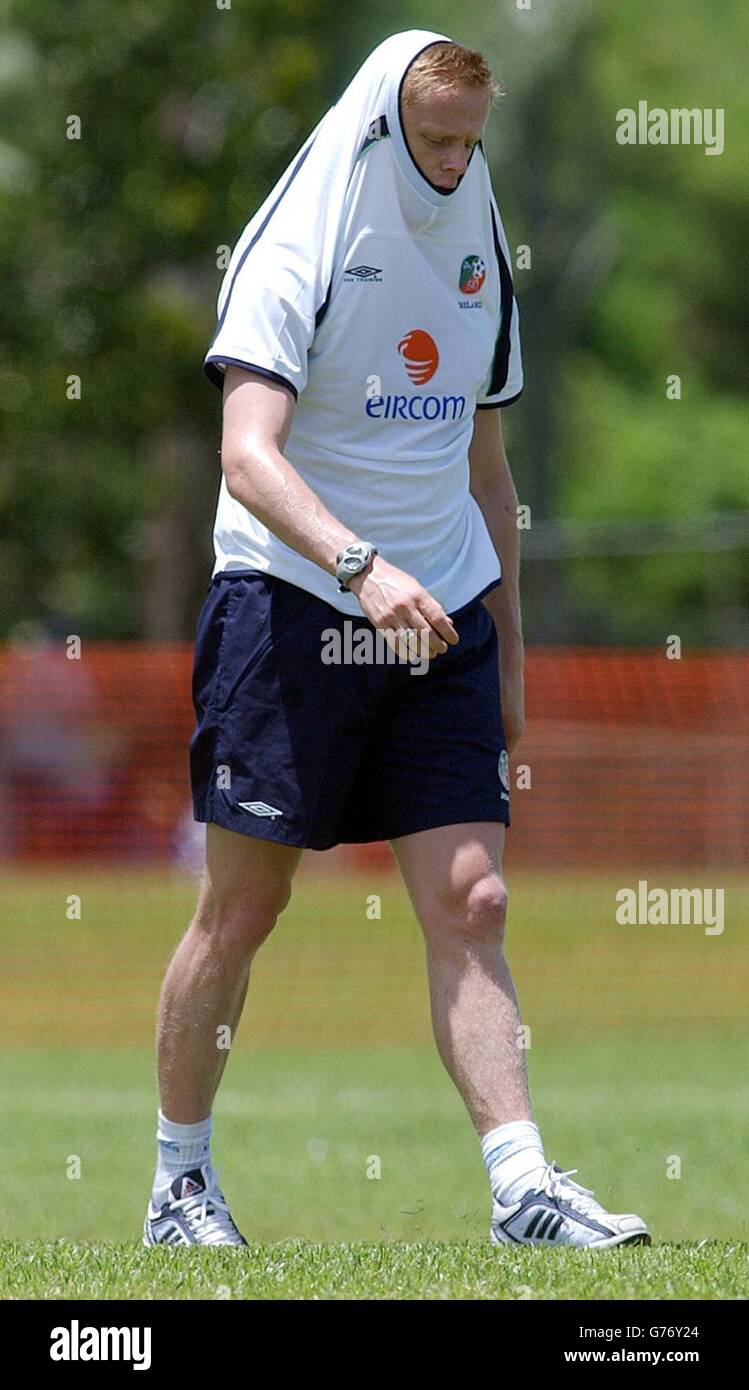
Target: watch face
{"x": 356, "y": 558}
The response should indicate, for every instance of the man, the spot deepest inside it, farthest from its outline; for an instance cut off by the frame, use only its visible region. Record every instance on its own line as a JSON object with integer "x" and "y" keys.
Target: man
{"x": 367, "y": 334}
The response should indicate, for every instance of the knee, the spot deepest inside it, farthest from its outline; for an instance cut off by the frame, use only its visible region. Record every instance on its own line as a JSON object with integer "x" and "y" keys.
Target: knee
{"x": 237, "y": 925}
{"x": 478, "y": 913}
{"x": 486, "y": 908}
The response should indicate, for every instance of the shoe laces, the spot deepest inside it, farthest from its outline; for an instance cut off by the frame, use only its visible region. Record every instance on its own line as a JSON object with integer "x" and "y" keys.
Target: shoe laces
{"x": 208, "y": 1215}
{"x": 558, "y": 1184}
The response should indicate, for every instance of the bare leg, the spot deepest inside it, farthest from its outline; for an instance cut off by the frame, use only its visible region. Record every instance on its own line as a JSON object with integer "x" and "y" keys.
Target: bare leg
{"x": 246, "y": 885}
{"x": 453, "y": 875}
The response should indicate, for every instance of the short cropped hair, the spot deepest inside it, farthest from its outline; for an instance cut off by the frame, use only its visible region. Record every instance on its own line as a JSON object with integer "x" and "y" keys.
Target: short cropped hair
{"x": 444, "y": 66}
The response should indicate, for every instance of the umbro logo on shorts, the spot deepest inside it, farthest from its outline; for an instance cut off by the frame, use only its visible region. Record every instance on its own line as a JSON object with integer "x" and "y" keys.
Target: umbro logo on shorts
{"x": 259, "y": 808}
{"x": 365, "y": 272}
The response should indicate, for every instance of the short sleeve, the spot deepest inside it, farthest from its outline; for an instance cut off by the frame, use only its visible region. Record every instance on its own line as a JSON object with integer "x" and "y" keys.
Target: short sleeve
{"x": 504, "y": 380}
{"x": 266, "y": 318}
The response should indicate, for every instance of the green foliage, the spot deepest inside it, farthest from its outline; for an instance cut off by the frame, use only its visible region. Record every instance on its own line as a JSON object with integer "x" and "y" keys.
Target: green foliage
{"x": 639, "y": 279}
{"x": 109, "y": 247}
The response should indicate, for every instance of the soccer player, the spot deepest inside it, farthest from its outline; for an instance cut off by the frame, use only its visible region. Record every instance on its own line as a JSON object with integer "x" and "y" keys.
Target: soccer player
{"x": 367, "y": 339}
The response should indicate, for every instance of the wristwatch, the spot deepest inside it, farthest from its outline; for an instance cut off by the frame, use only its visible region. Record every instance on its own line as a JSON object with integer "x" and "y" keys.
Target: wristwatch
{"x": 353, "y": 560}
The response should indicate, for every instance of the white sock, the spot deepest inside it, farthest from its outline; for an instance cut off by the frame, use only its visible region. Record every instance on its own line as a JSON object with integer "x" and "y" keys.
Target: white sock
{"x": 514, "y": 1158}
{"x": 179, "y": 1148}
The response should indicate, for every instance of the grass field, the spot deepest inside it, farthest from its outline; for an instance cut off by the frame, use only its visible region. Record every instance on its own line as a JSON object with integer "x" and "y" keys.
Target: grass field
{"x": 637, "y": 1068}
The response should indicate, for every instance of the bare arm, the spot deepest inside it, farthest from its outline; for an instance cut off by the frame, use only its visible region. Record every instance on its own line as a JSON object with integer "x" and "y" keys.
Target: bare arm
{"x": 258, "y": 415}
{"x": 494, "y": 490}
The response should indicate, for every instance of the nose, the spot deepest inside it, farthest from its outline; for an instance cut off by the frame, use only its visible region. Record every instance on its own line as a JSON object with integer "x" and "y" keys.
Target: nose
{"x": 455, "y": 161}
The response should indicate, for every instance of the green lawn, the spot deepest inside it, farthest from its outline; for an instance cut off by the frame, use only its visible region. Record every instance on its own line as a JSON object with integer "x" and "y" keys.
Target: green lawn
{"x": 636, "y": 1065}
{"x": 391, "y": 1270}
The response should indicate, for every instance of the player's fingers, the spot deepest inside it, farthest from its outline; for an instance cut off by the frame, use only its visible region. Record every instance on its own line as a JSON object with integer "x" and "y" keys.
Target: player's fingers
{"x": 424, "y": 638}
{"x": 412, "y": 644}
{"x": 438, "y": 619}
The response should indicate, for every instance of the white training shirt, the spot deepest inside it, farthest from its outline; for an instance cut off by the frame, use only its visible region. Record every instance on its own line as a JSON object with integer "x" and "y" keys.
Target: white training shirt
{"x": 419, "y": 326}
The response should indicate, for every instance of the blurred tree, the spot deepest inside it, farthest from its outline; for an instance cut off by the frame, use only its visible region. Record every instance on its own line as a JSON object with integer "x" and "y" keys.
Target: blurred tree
{"x": 635, "y": 276}
{"x": 109, "y": 246}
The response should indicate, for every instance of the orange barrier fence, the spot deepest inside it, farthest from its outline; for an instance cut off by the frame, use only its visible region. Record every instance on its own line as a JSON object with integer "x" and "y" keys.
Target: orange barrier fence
{"x": 629, "y": 757}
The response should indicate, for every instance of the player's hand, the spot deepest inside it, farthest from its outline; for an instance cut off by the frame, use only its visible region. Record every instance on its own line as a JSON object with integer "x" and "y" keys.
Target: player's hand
{"x": 394, "y": 600}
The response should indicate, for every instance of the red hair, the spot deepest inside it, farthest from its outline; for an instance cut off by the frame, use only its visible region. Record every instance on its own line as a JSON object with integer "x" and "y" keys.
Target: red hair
{"x": 444, "y": 66}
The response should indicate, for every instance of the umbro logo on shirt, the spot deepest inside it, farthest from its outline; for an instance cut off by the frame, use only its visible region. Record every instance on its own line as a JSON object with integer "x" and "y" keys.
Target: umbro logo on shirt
{"x": 259, "y": 808}
{"x": 363, "y": 272}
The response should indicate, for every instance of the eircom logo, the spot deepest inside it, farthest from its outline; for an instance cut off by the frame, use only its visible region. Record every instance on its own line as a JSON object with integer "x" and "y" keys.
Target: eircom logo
{"x": 421, "y": 359}
{"x": 420, "y": 354}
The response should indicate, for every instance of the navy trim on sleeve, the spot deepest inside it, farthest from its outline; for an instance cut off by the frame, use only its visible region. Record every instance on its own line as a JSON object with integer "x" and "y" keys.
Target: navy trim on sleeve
{"x": 217, "y": 377}
{"x": 322, "y": 311}
{"x": 495, "y": 405}
{"x": 501, "y": 362}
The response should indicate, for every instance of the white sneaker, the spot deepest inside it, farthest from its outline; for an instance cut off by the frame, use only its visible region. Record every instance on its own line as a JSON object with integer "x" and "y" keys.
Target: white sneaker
{"x": 561, "y": 1212}
{"x": 195, "y": 1213}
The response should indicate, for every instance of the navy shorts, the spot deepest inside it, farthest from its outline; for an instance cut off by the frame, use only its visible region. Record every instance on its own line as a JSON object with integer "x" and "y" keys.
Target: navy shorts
{"x": 291, "y": 749}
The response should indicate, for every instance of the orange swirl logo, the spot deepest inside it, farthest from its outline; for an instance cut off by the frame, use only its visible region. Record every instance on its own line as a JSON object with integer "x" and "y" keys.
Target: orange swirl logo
{"x": 419, "y": 352}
